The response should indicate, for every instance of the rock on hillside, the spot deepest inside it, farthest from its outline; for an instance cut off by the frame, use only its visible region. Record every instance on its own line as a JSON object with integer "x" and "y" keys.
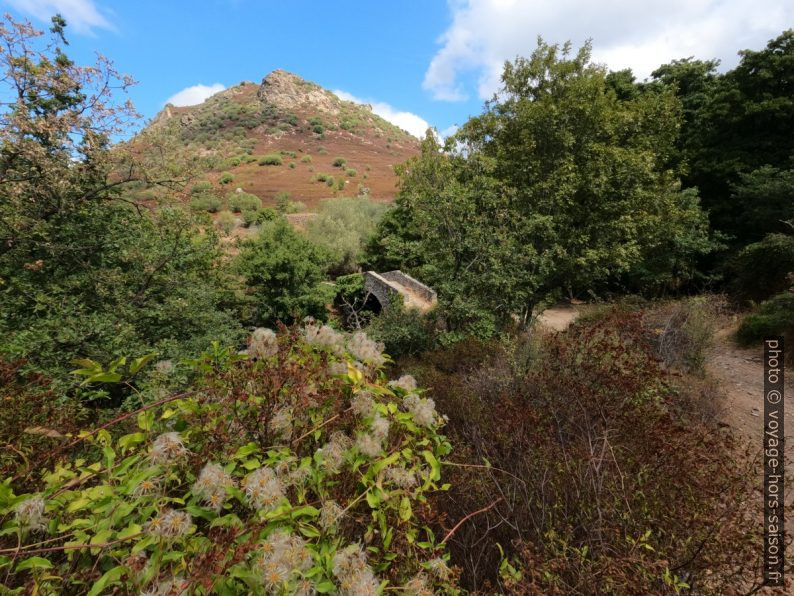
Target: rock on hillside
{"x": 288, "y": 134}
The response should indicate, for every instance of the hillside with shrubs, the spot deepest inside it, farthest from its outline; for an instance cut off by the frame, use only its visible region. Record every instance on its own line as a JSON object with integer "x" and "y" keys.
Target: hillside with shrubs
{"x": 284, "y": 134}
{"x": 199, "y": 396}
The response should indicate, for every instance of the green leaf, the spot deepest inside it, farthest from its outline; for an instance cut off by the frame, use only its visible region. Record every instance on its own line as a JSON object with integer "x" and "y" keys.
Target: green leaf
{"x": 100, "y": 538}
{"x": 131, "y": 530}
{"x": 373, "y": 500}
{"x": 131, "y": 439}
{"x": 110, "y": 576}
{"x": 405, "y": 509}
{"x": 324, "y": 587}
{"x": 435, "y": 467}
{"x": 146, "y": 420}
{"x": 34, "y": 563}
{"x": 139, "y": 362}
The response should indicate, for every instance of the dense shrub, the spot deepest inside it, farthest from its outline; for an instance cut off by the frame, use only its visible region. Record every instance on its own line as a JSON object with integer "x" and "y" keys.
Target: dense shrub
{"x": 684, "y": 332}
{"x": 306, "y": 159}
{"x": 243, "y": 201}
{"x": 244, "y": 487}
{"x": 226, "y": 222}
{"x": 282, "y": 201}
{"x": 271, "y": 159}
{"x": 145, "y": 282}
{"x": 201, "y": 187}
{"x": 772, "y": 317}
{"x": 284, "y": 273}
{"x": 205, "y": 202}
{"x": 34, "y": 420}
{"x": 405, "y": 332}
{"x": 343, "y": 226}
{"x": 761, "y": 269}
{"x": 589, "y": 475}
{"x": 226, "y": 178}
{"x": 339, "y": 162}
{"x": 350, "y": 173}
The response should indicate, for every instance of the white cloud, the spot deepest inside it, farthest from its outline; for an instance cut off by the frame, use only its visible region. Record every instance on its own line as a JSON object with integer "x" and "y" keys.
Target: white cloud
{"x": 82, "y": 15}
{"x": 190, "y": 96}
{"x": 625, "y": 33}
{"x": 448, "y": 131}
{"x": 409, "y": 121}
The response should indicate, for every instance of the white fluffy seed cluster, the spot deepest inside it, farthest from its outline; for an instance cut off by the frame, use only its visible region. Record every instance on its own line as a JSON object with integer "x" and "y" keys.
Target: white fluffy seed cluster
{"x": 400, "y": 477}
{"x": 330, "y": 514}
{"x": 212, "y": 484}
{"x": 439, "y": 569}
{"x": 170, "y": 524}
{"x": 418, "y": 586}
{"x": 164, "y": 367}
{"x": 30, "y": 514}
{"x": 334, "y": 452}
{"x": 337, "y": 368}
{"x": 263, "y": 488}
{"x": 280, "y": 424}
{"x": 356, "y": 578}
{"x": 324, "y": 336}
{"x": 422, "y": 409}
{"x": 365, "y": 349}
{"x": 167, "y": 448}
{"x": 283, "y": 557}
{"x": 263, "y": 343}
{"x": 371, "y": 443}
{"x": 363, "y": 404}
{"x": 406, "y": 382}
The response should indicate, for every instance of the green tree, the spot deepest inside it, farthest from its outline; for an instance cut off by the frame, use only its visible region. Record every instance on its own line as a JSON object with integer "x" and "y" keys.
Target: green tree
{"x": 560, "y": 186}
{"x": 342, "y": 226}
{"x": 284, "y": 273}
{"x": 84, "y": 270}
{"x": 735, "y": 124}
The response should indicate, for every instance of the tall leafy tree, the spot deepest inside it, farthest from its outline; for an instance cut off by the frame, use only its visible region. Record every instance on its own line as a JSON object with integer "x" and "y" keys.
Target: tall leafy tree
{"x": 561, "y": 185}
{"x": 736, "y": 124}
{"x": 84, "y": 270}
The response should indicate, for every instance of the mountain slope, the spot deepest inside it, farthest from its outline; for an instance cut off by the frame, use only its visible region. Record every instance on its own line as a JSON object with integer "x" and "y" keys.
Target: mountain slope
{"x": 236, "y": 133}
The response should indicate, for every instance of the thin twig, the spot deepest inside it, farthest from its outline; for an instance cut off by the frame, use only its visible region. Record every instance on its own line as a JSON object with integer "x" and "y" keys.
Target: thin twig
{"x": 468, "y": 517}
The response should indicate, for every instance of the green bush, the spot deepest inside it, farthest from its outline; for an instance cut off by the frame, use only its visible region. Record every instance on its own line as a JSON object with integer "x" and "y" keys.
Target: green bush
{"x": 318, "y": 128}
{"x": 284, "y": 273}
{"x": 350, "y": 172}
{"x": 404, "y": 332}
{"x": 282, "y": 201}
{"x": 339, "y": 162}
{"x": 243, "y": 201}
{"x": 279, "y": 489}
{"x": 292, "y": 165}
{"x": 291, "y": 154}
{"x": 271, "y": 159}
{"x": 205, "y": 202}
{"x": 260, "y": 216}
{"x": 306, "y": 159}
{"x": 226, "y": 178}
{"x": 761, "y": 269}
{"x": 342, "y": 226}
{"x": 330, "y": 181}
{"x": 773, "y": 317}
{"x": 226, "y": 222}
{"x": 201, "y": 187}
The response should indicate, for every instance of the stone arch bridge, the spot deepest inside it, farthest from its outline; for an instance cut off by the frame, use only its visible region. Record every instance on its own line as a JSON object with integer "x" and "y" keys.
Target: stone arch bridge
{"x": 385, "y": 286}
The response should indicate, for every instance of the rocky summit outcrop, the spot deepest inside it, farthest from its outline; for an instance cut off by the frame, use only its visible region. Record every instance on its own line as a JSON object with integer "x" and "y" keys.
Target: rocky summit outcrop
{"x": 288, "y": 91}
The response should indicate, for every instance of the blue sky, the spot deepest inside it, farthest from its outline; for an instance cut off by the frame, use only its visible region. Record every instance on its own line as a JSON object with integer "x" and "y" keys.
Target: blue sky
{"x": 416, "y": 61}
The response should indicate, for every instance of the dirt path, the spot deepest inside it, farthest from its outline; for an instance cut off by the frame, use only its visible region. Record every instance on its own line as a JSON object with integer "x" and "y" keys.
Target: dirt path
{"x": 739, "y": 373}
